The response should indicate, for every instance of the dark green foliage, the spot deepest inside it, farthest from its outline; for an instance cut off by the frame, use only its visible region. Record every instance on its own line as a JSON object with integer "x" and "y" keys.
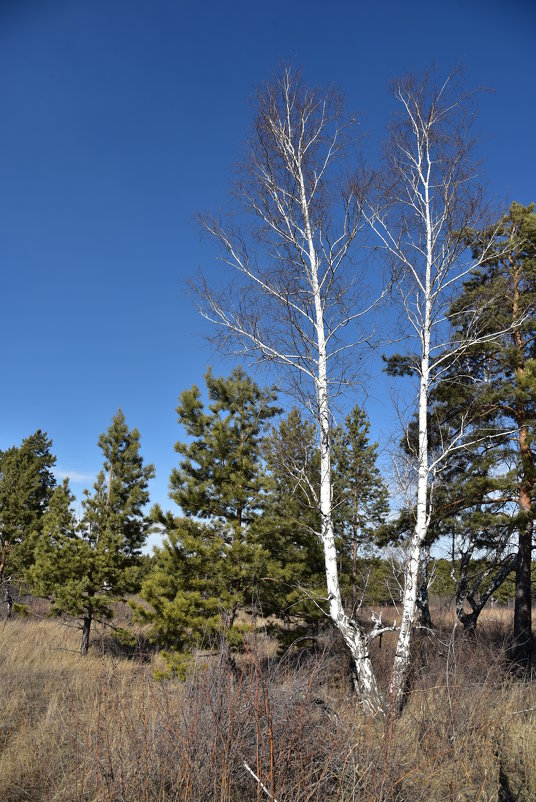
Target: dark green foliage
{"x": 360, "y": 495}
{"x": 219, "y": 477}
{"x": 505, "y": 373}
{"x": 290, "y": 526}
{"x": 442, "y": 582}
{"x": 115, "y": 508}
{"x": 206, "y": 572}
{"x": 63, "y": 564}
{"x": 401, "y": 365}
{"x": 183, "y": 588}
{"x": 198, "y": 583}
{"x": 26, "y": 485}
{"x": 83, "y": 568}
{"x": 289, "y": 530}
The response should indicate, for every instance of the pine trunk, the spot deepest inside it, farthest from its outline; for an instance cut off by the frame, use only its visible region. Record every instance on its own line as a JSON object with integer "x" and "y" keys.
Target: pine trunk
{"x": 522, "y": 650}
{"x": 423, "y": 601}
{"x": 3, "y": 561}
{"x": 354, "y": 554}
{"x": 86, "y": 629}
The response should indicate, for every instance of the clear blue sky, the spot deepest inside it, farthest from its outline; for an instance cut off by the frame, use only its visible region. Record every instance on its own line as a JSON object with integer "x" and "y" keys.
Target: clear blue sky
{"x": 122, "y": 118}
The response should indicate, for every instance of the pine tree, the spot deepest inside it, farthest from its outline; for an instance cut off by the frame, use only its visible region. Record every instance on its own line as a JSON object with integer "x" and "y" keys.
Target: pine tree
{"x": 470, "y": 500}
{"x": 120, "y": 492}
{"x": 471, "y": 510}
{"x": 360, "y": 494}
{"x": 83, "y": 569}
{"x": 290, "y": 527}
{"x": 186, "y": 593}
{"x": 26, "y": 485}
{"x": 219, "y": 477}
{"x": 59, "y": 572}
{"x": 502, "y": 380}
{"x": 205, "y": 572}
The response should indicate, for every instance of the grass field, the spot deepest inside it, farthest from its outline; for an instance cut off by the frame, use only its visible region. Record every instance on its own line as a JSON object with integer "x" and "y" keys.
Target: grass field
{"x": 101, "y": 728}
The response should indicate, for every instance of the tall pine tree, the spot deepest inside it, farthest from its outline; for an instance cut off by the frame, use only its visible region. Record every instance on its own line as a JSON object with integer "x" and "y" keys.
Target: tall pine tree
{"x": 289, "y": 529}
{"x": 209, "y": 565}
{"x": 26, "y": 485}
{"x": 360, "y": 494}
{"x": 502, "y": 379}
{"x": 83, "y": 569}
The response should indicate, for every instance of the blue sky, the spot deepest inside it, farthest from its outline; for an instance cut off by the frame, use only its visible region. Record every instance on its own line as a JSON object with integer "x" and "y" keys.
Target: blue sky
{"x": 121, "y": 120}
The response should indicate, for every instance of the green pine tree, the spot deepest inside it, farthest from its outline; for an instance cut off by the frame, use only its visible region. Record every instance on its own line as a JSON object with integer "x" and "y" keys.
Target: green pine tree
{"x": 472, "y": 511}
{"x": 289, "y": 531}
{"x": 59, "y": 572}
{"x": 84, "y": 569}
{"x": 26, "y": 485}
{"x": 219, "y": 477}
{"x": 185, "y": 593}
{"x": 360, "y": 494}
{"x": 501, "y": 382}
{"x": 206, "y": 572}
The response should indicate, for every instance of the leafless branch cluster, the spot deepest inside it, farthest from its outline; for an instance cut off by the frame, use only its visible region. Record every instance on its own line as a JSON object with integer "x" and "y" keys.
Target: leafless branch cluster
{"x": 298, "y": 218}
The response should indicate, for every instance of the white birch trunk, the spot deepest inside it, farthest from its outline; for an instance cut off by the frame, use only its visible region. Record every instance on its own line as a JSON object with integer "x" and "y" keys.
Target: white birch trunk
{"x": 354, "y": 638}
{"x": 409, "y": 606}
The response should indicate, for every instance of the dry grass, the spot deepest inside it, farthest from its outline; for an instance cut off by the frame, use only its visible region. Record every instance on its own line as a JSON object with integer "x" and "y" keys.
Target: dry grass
{"x": 94, "y": 729}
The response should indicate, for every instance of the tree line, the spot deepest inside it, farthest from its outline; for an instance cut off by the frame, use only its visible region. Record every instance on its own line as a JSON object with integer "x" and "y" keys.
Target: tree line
{"x": 245, "y": 538}
{"x": 276, "y": 510}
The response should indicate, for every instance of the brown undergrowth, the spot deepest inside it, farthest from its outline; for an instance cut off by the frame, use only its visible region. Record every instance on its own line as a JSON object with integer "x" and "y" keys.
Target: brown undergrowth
{"x": 100, "y": 728}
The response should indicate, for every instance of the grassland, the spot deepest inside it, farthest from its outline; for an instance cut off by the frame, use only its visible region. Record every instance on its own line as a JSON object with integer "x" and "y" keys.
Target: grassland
{"x": 96, "y": 728}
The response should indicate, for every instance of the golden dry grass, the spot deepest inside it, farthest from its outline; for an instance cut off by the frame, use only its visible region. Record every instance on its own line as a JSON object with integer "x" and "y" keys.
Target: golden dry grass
{"x": 92, "y": 729}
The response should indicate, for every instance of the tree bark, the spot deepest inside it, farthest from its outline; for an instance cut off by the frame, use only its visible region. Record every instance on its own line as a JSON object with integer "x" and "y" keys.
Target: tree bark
{"x": 473, "y": 594}
{"x": 86, "y": 629}
{"x": 3, "y": 561}
{"x": 423, "y": 599}
{"x": 522, "y": 647}
{"x": 354, "y": 553}
{"x": 397, "y": 688}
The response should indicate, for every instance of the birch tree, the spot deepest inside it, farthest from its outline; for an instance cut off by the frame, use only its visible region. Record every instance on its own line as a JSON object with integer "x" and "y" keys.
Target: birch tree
{"x": 425, "y": 209}
{"x": 292, "y": 300}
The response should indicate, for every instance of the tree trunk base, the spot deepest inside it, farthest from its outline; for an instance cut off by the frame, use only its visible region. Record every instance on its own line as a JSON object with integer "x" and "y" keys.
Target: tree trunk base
{"x": 86, "y": 629}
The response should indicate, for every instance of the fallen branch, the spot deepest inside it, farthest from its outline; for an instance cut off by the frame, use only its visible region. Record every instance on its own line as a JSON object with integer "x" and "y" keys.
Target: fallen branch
{"x": 264, "y": 788}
